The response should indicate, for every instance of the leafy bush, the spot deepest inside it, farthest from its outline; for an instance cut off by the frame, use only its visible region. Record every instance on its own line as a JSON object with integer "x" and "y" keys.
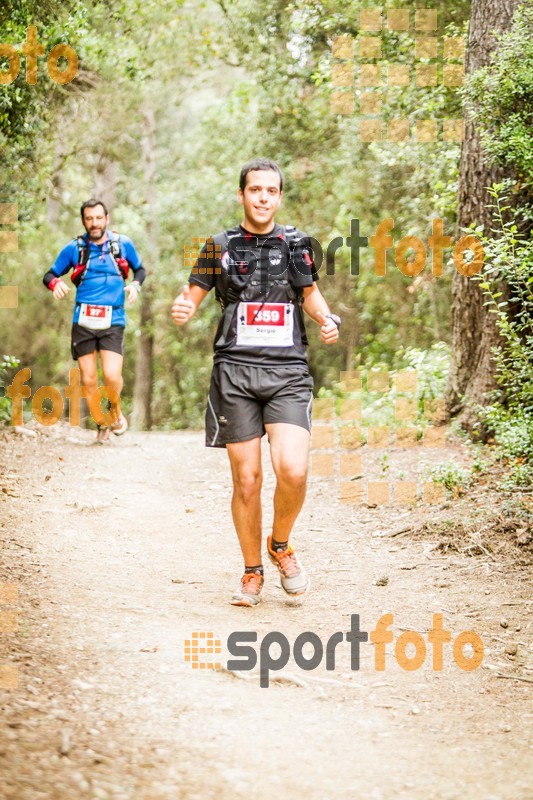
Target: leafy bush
{"x": 393, "y": 406}
{"x": 450, "y": 476}
{"x": 507, "y": 283}
{"x": 501, "y": 97}
{"x": 7, "y": 366}
{"x": 513, "y": 431}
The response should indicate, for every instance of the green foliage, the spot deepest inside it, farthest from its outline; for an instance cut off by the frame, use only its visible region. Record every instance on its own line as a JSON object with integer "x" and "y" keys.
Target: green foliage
{"x": 499, "y": 97}
{"x": 502, "y": 97}
{"x": 520, "y": 476}
{"x": 276, "y": 101}
{"x": 332, "y": 177}
{"x": 8, "y": 365}
{"x": 225, "y": 82}
{"x": 507, "y": 283}
{"x": 450, "y": 476}
{"x": 429, "y": 370}
{"x": 27, "y": 111}
{"x": 513, "y": 430}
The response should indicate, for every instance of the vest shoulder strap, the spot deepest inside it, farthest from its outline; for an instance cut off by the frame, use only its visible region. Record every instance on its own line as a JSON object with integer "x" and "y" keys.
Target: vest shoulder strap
{"x": 220, "y": 241}
{"x": 83, "y": 250}
{"x": 84, "y": 253}
{"x": 291, "y": 234}
{"x": 114, "y": 244}
{"x": 115, "y": 247}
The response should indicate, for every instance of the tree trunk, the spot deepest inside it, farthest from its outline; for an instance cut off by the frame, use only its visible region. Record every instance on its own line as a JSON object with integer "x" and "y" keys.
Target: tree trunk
{"x": 142, "y": 392}
{"x": 105, "y": 178}
{"x": 53, "y": 201}
{"x": 141, "y": 418}
{"x": 474, "y": 330}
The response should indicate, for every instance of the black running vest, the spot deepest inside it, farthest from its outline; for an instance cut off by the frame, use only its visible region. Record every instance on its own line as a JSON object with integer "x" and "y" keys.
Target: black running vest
{"x": 258, "y": 269}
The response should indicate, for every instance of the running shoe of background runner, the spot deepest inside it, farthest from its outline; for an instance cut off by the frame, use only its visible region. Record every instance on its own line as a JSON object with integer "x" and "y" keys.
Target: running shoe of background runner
{"x": 102, "y": 435}
{"x": 120, "y": 426}
{"x": 294, "y": 578}
{"x": 249, "y": 592}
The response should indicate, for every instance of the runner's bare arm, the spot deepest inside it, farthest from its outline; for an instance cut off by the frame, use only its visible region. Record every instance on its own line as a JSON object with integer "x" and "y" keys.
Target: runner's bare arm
{"x": 316, "y": 307}
{"x": 314, "y": 302}
{"x": 186, "y": 303}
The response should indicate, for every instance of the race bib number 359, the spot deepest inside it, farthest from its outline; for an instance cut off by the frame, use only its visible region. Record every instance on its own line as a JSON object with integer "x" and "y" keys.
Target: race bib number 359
{"x": 265, "y": 324}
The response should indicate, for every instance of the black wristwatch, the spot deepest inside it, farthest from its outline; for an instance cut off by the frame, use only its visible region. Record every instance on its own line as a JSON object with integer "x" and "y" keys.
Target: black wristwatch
{"x": 335, "y": 318}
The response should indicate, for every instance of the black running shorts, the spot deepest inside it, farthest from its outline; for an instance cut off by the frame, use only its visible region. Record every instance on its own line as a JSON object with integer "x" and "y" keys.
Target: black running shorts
{"x": 243, "y": 398}
{"x": 84, "y": 341}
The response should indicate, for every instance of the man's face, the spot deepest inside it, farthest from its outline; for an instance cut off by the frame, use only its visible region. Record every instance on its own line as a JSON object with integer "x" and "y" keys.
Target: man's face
{"x": 261, "y": 199}
{"x": 95, "y": 221}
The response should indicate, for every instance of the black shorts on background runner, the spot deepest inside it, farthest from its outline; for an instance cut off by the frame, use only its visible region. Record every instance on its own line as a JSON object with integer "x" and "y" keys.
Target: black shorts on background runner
{"x": 243, "y": 398}
{"x": 84, "y": 341}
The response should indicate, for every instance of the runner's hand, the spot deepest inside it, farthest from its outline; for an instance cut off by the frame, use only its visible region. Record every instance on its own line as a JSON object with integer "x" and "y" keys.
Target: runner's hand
{"x": 183, "y": 307}
{"x": 132, "y": 290}
{"x": 60, "y": 290}
{"x": 328, "y": 330}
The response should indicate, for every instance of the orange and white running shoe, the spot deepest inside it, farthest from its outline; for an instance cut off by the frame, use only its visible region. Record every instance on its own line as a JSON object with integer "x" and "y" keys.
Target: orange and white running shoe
{"x": 294, "y": 579}
{"x": 249, "y": 592}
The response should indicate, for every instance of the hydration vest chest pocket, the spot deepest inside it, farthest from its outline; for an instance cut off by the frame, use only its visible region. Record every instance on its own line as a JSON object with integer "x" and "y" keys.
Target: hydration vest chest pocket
{"x": 96, "y": 318}
{"x": 265, "y": 324}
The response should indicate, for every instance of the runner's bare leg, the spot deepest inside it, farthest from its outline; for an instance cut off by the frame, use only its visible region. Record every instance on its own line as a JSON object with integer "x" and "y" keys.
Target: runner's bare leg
{"x": 289, "y": 451}
{"x": 89, "y": 378}
{"x": 245, "y": 461}
{"x": 112, "y": 369}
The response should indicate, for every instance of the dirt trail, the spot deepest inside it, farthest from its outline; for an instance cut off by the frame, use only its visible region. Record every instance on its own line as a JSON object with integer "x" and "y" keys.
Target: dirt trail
{"x": 120, "y": 553}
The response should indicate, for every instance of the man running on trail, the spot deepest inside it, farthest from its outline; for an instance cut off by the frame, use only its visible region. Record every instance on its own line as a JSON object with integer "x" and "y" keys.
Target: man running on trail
{"x": 263, "y": 274}
{"x": 101, "y": 260}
